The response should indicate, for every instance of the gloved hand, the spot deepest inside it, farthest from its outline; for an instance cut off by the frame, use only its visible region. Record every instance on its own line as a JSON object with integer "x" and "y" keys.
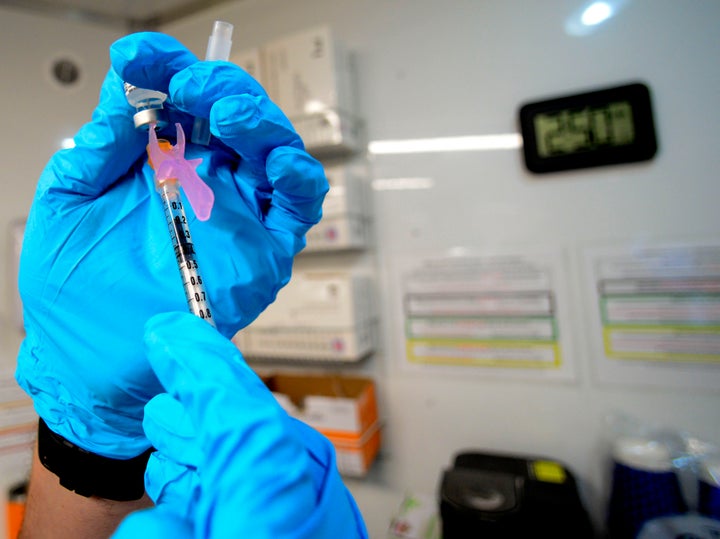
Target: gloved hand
{"x": 97, "y": 261}
{"x": 230, "y": 461}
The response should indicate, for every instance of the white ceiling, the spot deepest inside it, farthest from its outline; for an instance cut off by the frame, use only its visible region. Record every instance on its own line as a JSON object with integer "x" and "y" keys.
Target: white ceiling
{"x": 130, "y": 14}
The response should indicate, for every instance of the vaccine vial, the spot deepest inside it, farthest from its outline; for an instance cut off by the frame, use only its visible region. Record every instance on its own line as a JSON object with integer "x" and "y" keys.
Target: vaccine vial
{"x": 148, "y": 105}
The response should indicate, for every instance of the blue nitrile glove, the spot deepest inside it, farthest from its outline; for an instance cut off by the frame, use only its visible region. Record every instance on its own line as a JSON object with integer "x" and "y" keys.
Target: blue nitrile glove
{"x": 230, "y": 461}
{"x": 97, "y": 261}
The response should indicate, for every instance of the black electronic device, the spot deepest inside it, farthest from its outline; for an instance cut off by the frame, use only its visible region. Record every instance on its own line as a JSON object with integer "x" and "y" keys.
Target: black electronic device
{"x": 504, "y": 496}
{"x": 603, "y": 127}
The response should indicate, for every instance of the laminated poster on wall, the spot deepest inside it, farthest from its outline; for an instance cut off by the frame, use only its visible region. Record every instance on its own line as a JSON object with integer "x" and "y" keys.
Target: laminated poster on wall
{"x": 655, "y": 313}
{"x": 501, "y": 313}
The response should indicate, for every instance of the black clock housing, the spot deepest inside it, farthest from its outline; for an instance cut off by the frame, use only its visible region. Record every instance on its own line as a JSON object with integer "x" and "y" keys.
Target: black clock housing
{"x": 603, "y": 127}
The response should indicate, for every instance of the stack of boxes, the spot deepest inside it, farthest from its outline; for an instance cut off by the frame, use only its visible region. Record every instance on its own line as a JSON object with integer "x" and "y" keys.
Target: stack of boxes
{"x": 344, "y": 225}
{"x": 310, "y": 76}
{"x": 322, "y": 316}
{"x": 343, "y": 408}
{"x": 318, "y": 316}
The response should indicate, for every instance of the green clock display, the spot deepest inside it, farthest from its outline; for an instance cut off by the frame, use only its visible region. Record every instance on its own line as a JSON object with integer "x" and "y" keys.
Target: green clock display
{"x": 603, "y": 127}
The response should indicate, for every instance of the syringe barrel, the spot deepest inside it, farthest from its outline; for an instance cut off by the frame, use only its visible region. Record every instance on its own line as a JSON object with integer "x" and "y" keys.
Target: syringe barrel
{"x": 192, "y": 280}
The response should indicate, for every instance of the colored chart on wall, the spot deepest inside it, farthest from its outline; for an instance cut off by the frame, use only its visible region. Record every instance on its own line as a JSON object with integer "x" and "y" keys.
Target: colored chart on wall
{"x": 656, "y": 306}
{"x": 490, "y": 311}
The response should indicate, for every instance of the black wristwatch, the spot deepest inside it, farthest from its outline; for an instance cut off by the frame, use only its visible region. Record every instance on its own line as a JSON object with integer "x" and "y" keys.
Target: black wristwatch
{"x": 88, "y": 474}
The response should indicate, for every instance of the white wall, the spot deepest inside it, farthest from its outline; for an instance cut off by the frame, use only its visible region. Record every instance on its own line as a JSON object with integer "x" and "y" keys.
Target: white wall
{"x": 429, "y": 68}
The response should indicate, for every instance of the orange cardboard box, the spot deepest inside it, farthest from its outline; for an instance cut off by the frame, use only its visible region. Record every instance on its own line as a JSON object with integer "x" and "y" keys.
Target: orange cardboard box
{"x": 343, "y": 408}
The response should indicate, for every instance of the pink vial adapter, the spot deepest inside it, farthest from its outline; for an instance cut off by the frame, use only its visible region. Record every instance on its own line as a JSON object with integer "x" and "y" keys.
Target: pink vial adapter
{"x": 170, "y": 165}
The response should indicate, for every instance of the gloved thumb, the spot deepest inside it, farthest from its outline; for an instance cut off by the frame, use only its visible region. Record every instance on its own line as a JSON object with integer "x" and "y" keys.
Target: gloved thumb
{"x": 198, "y": 366}
{"x": 256, "y": 460}
{"x": 253, "y": 458}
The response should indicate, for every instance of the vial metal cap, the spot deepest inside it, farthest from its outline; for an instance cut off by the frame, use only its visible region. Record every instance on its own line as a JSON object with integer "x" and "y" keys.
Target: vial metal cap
{"x": 144, "y": 118}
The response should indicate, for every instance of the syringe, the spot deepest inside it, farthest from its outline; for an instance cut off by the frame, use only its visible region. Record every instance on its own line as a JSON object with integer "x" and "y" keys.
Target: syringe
{"x": 192, "y": 280}
{"x": 170, "y": 168}
{"x": 171, "y": 171}
{"x": 218, "y": 48}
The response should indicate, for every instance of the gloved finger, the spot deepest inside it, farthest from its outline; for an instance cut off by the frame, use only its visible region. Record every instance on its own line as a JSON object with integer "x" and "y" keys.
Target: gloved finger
{"x": 253, "y": 126}
{"x": 253, "y": 457}
{"x": 170, "y": 430}
{"x": 149, "y": 59}
{"x": 154, "y": 523}
{"x": 172, "y": 484}
{"x": 105, "y": 148}
{"x": 192, "y": 360}
{"x": 299, "y": 188}
{"x": 198, "y": 87}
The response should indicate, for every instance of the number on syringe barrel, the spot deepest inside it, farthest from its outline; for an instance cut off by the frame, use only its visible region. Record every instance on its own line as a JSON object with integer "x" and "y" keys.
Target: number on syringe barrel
{"x": 182, "y": 233}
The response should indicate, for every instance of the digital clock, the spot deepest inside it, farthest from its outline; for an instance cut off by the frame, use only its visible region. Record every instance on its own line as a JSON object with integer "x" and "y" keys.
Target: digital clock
{"x": 603, "y": 127}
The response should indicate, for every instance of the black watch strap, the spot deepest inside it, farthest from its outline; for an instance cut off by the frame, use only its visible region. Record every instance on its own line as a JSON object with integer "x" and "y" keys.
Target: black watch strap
{"x": 89, "y": 474}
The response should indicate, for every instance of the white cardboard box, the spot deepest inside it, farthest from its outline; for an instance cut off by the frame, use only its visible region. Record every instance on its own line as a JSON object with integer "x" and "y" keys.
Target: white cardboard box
{"x": 319, "y": 315}
{"x": 310, "y": 76}
{"x": 320, "y": 300}
{"x": 348, "y": 191}
{"x": 345, "y": 223}
{"x": 304, "y": 344}
{"x": 250, "y": 61}
{"x": 336, "y": 233}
